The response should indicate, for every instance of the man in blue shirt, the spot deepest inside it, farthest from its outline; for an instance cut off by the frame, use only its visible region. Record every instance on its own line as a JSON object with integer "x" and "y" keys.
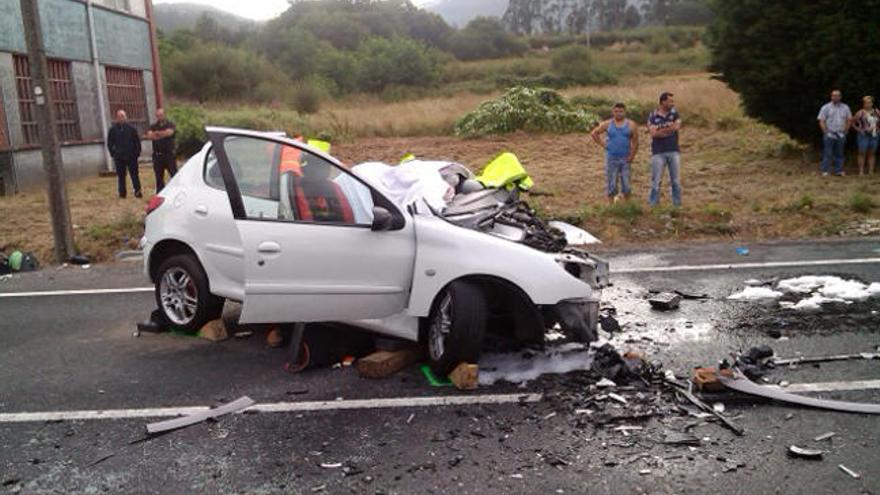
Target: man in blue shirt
{"x": 663, "y": 125}
{"x": 621, "y": 143}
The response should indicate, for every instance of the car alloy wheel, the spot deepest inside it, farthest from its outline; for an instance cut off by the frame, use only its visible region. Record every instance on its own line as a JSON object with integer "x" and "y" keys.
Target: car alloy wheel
{"x": 179, "y": 296}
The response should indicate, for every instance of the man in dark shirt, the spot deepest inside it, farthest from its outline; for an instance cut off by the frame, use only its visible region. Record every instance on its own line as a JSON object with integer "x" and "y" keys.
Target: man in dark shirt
{"x": 125, "y": 148}
{"x": 162, "y": 135}
{"x": 663, "y": 125}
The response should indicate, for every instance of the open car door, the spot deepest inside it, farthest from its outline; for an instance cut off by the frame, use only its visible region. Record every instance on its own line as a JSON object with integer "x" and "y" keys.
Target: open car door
{"x": 319, "y": 243}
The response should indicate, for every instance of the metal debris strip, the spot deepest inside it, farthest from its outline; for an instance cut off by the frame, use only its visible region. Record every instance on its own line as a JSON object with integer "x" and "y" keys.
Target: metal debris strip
{"x": 849, "y": 471}
{"x": 740, "y": 383}
{"x": 824, "y": 359}
{"x": 803, "y": 453}
{"x": 824, "y": 436}
{"x": 184, "y": 421}
{"x": 687, "y": 394}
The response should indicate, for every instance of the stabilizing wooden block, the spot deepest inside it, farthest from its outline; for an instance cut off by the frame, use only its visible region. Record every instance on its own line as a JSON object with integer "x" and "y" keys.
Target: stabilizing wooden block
{"x": 465, "y": 376}
{"x": 706, "y": 379}
{"x": 214, "y": 330}
{"x": 382, "y": 364}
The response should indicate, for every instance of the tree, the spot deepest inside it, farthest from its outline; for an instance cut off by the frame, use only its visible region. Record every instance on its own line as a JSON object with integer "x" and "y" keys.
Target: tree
{"x": 785, "y": 56}
{"x": 483, "y": 38}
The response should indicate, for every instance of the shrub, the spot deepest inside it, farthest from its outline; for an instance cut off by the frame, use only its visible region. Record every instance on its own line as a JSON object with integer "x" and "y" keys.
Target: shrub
{"x": 485, "y": 38}
{"x": 528, "y": 109}
{"x": 574, "y": 62}
{"x": 306, "y": 96}
{"x": 860, "y": 202}
{"x": 601, "y": 106}
{"x": 190, "y": 128}
{"x": 216, "y": 72}
{"x": 400, "y": 61}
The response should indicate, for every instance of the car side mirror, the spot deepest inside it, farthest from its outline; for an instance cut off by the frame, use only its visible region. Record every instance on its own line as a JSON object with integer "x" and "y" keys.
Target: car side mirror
{"x": 382, "y": 219}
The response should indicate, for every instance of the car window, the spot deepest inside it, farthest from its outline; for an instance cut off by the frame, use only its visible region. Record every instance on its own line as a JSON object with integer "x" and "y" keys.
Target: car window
{"x": 282, "y": 182}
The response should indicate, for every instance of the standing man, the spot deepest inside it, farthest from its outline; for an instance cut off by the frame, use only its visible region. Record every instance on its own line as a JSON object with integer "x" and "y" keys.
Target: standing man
{"x": 835, "y": 118}
{"x": 162, "y": 134}
{"x": 621, "y": 142}
{"x": 663, "y": 125}
{"x": 125, "y": 148}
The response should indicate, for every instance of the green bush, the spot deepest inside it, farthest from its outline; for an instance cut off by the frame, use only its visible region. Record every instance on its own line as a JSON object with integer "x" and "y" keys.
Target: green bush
{"x": 527, "y": 109}
{"x": 401, "y": 61}
{"x": 661, "y": 43}
{"x": 306, "y": 96}
{"x": 190, "y": 128}
{"x": 485, "y": 38}
{"x": 860, "y": 202}
{"x": 601, "y": 106}
{"x": 574, "y": 62}
{"x": 209, "y": 72}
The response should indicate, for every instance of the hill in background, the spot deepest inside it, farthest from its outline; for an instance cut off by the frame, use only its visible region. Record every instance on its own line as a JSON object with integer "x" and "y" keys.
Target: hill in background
{"x": 172, "y": 16}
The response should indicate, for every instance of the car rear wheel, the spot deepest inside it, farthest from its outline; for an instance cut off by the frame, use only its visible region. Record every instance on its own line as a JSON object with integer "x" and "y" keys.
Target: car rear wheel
{"x": 182, "y": 294}
{"x": 456, "y": 327}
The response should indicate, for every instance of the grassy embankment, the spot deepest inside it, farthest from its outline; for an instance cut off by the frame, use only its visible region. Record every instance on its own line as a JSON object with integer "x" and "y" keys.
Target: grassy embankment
{"x": 742, "y": 180}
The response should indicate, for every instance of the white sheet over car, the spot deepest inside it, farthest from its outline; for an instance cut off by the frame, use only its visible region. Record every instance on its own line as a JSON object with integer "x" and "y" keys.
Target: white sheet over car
{"x": 410, "y": 181}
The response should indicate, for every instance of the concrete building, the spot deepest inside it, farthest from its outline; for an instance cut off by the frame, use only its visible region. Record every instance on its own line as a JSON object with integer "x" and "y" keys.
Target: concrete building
{"x": 102, "y": 57}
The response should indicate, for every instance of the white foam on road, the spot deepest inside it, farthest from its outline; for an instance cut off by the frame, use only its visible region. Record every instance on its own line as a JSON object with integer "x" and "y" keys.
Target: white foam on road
{"x": 521, "y": 367}
{"x": 815, "y": 291}
{"x": 756, "y": 294}
{"x": 279, "y": 407}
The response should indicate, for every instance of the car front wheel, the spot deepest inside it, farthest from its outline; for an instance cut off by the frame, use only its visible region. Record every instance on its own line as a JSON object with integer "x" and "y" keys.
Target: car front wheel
{"x": 182, "y": 294}
{"x": 456, "y": 327}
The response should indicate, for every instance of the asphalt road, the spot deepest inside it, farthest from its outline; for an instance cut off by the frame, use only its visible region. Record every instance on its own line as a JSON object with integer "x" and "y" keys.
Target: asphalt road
{"x": 77, "y": 352}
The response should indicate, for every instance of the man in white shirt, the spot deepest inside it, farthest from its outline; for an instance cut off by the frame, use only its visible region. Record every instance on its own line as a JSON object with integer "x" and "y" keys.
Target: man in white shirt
{"x": 835, "y": 119}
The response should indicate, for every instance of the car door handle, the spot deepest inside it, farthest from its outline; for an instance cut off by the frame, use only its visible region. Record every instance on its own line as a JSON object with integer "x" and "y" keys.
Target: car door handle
{"x": 269, "y": 247}
{"x": 201, "y": 210}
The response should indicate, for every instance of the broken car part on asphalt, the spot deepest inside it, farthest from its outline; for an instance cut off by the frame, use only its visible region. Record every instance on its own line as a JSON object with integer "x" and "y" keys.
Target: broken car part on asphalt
{"x": 183, "y": 421}
{"x": 741, "y": 383}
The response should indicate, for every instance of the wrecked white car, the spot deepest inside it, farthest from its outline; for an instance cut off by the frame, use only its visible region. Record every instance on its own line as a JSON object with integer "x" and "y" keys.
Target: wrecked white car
{"x": 295, "y": 236}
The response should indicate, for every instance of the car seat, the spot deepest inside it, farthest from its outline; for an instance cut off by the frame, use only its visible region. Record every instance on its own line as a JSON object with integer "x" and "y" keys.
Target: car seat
{"x": 319, "y": 199}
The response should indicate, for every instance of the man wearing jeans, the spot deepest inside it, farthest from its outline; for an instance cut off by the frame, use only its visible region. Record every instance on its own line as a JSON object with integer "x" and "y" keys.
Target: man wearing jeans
{"x": 621, "y": 144}
{"x": 664, "y": 124}
{"x": 835, "y": 118}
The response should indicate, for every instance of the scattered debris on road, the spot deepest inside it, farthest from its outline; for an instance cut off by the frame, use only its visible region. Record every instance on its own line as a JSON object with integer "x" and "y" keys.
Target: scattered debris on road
{"x": 665, "y": 301}
{"x": 802, "y": 453}
{"x": 849, "y": 471}
{"x": 184, "y": 421}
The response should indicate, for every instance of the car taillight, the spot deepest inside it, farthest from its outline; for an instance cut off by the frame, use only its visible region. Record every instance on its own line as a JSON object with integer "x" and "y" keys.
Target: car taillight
{"x": 155, "y": 202}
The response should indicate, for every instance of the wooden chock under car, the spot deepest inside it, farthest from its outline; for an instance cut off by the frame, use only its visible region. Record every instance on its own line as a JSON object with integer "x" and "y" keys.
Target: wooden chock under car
{"x": 465, "y": 376}
{"x": 214, "y": 330}
{"x": 706, "y": 379}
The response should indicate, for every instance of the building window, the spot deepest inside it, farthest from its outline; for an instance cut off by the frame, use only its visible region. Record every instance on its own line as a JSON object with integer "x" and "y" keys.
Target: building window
{"x": 125, "y": 90}
{"x": 63, "y": 95}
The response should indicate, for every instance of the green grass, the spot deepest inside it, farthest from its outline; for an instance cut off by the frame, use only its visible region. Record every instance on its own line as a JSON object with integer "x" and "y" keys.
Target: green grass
{"x": 861, "y": 202}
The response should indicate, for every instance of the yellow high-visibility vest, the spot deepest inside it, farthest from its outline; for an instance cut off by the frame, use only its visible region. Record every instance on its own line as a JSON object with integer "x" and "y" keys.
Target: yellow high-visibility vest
{"x": 505, "y": 170}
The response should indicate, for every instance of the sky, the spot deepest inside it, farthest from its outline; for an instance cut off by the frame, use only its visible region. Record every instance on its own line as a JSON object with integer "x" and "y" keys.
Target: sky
{"x": 252, "y": 9}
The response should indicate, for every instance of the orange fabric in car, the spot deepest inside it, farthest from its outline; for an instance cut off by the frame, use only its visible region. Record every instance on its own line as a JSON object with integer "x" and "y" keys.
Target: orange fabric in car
{"x": 322, "y": 200}
{"x": 290, "y": 160}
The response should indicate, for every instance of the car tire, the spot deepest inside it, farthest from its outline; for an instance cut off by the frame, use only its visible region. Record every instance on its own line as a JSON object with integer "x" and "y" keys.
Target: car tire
{"x": 456, "y": 326}
{"x": 182, "y": 294}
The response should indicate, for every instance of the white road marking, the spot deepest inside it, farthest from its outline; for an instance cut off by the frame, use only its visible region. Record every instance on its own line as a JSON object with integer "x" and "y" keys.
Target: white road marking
{"x": 278, "y": 407}
{"x": 831, "y": 386}
{"x": 740, "y": 266}
{"x": 622, "y": 271}
{"x": 125, "y": 290}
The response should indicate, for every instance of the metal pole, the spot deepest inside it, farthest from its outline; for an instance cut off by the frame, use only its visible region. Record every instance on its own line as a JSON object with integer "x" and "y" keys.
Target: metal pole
{"x": 96, "y": 67}
{"x": 154, "y": 54}
{"x": 48, "y": 132}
